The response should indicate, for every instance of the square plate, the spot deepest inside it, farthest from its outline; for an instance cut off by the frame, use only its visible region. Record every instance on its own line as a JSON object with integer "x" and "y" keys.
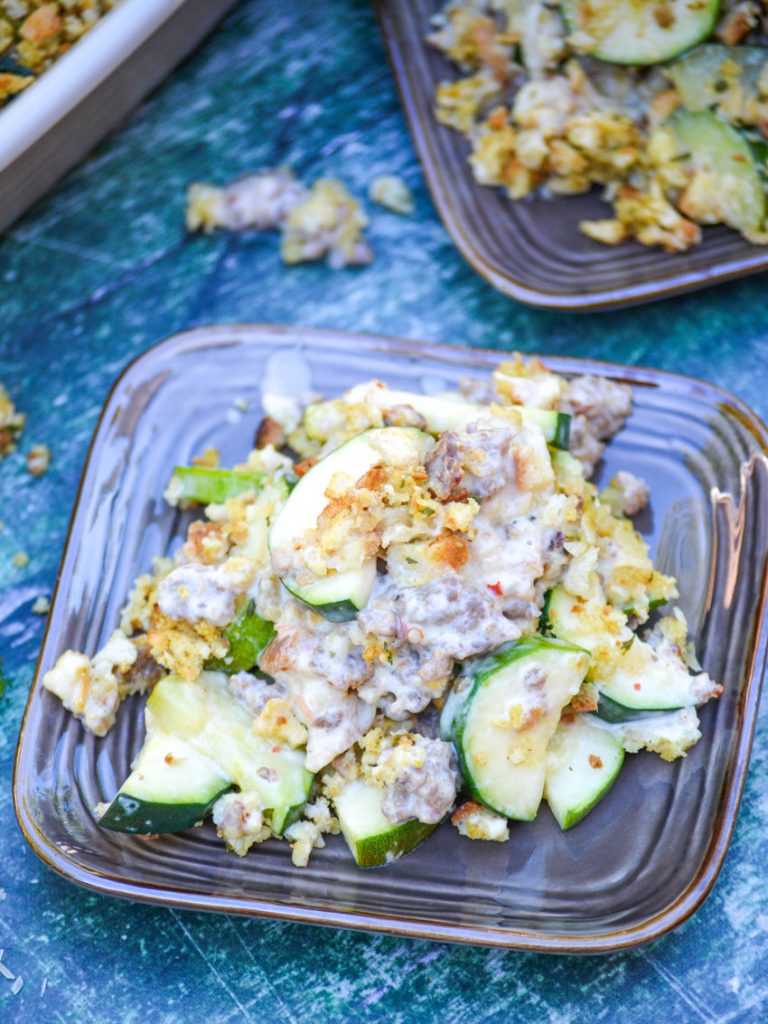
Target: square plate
{"x": 636, "y": 867}
{"x": 532, "y": 249}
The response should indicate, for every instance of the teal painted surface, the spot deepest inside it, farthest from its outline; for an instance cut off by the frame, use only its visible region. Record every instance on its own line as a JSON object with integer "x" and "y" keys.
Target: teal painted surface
{"x": 102, "y": 270}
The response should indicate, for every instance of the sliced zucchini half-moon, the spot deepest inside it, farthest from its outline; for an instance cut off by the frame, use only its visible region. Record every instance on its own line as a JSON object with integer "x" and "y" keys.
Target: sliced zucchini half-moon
{"x": 710, "y": 72}
{"x": 727, "y": 171}
{"x": 506, "y": 716}
{"x": 170, "y": 789}
{"x": 639, "y": 31}
{"x": 638, "y": 680}
{"x": 199, "y": 744}
{"x": 339, "y": 595}
{"x": 371, "y": 837}
{"x": 583, "y": 762}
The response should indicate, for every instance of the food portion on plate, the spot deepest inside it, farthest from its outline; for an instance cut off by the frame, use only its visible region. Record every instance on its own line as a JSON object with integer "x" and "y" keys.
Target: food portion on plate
{"x": 400, "y": 608}
{"x": 663, "y": 105}
{"x": 35, "y": 33}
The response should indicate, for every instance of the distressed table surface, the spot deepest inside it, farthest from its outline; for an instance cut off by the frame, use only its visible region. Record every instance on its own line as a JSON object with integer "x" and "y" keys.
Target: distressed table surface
{"x": 103, "y": 269}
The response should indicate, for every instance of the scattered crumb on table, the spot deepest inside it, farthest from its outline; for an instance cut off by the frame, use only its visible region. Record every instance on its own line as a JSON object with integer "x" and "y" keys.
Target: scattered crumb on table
{"x": 390, "y": 191}
{"x": 38, "y": 459}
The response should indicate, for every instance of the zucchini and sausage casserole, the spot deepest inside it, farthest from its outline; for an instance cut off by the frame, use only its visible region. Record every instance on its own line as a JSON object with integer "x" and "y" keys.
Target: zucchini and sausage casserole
{"x": 661, "y": 103}
{"x": 425, "y": 610}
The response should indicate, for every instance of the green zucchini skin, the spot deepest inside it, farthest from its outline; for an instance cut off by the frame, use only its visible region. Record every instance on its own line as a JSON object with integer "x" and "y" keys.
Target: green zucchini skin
{"x": 170, "y": 789}
{"x": 442, "y": 414}
{"x": 513, "y": 651}
{"x": 562, "y": 437}
{"x": 247, "y": 636}
{"x": 612, "y": 711}
{"x": 143, "y": 817}
{"x": 630, "y": 689}
{"x": 378, "y": 851}
{"x": 346, "y": 608}
{"x": 282, "y": 820}
{"x": 202, "y": 485}
{"x": 556, "y": 426}
{"x": 334, "y": 611}
{"x": 545, "y": 625}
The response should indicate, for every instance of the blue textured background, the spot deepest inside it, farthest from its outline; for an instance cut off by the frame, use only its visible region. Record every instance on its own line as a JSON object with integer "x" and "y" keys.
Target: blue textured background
{"x": 103, "y": 269}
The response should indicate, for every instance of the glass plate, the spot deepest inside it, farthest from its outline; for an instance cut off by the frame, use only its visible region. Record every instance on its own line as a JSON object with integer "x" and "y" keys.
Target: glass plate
{"x": 636, "y": 867}
{"x": 532, "y": 249}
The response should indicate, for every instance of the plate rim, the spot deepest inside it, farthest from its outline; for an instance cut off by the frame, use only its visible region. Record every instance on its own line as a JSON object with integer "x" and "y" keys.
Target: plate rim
{"x": 606, "y": 299}
{"x": 615, "y": 940}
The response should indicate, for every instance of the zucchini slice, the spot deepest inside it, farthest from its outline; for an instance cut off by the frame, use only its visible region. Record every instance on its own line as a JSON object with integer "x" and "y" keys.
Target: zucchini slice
{"x": 639, "y": 31}
{"x": 170, "y": 789}
{"x": 703, "y": 76}
{"x": 727, "y": 169}
{"x": 205, "y": 718}
{"x": 504, "y": 718}
{"x": 583, "y": 762}
{"x": 338, "y": 596}
{"x": 640, "y": 680}
{"x": 556, "y": 426}
{"x": 370, "y": 835}
{"x": 205, "y": 714}
{"x": 247, "y": 636}
{"x": 202, "y": 485}
{"x": 441, "y": 414}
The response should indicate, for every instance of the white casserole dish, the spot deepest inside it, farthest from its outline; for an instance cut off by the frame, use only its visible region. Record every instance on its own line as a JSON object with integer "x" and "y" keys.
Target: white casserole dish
{"x": 54, "y": 123}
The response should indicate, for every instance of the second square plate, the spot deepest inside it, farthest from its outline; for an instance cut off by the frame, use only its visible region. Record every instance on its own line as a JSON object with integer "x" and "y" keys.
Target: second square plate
{"x": 532, "y": 249}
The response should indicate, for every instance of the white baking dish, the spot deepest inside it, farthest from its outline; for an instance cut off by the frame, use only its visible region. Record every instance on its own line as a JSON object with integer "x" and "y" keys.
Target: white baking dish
{"x": 49, "y": 127}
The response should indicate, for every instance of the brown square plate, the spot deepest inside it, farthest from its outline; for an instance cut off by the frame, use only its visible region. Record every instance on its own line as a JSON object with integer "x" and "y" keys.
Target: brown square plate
{"x": 532, "y": 249}
{"x": 636, "y": 867}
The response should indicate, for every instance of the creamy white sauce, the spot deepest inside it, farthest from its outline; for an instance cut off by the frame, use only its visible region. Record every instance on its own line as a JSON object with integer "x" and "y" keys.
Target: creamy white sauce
{"x": 509, "y": 550}
{"x": 195, "y": 592}
{"x": 334, "y": 720}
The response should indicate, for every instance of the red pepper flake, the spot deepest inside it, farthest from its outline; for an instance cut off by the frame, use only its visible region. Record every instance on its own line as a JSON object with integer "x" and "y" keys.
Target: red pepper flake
{"x": 638, "y": 686}
{"x": 595, "y": 761}
{"x": 495, "y": 588}
{"x": 275, "y": 750}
